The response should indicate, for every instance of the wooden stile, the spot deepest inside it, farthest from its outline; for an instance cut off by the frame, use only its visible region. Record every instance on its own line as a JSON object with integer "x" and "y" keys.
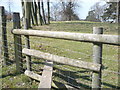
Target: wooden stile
{"x": 33, "y": 75}
{"x": 46, "y": 79}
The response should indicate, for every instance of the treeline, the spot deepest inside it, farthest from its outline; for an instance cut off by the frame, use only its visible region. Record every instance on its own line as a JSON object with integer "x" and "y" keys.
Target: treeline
{"x": 104, "y": 13}
{"x": 39, "y": 12}
{"x": 65, "y": 10}
{"x": 34, "y": 12}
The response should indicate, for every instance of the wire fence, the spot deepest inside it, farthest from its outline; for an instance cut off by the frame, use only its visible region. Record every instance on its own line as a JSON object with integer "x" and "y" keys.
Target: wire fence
{"x": 62, "y": 74}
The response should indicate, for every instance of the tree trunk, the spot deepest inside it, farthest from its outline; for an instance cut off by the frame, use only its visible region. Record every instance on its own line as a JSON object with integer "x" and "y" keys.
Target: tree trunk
{"x": 40, "y": 16}
{"x": 48, "y": 5}
{"x": 23, "y": 12}
{"x": 32, "y": 14}
{"x": 43, "y": 11}
{"x": 27, "y": 13}
{"x": 35, "y": 14}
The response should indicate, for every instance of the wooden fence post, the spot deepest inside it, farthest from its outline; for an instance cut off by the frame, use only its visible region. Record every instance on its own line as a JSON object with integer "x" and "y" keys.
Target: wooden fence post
{"x": 17, "y": 43}
{"x": 0, "y": 45}
{"x": 27, "y": 44}
{"x": 4, "y": 34}
{"x": 118, "y": 20}
{"x": 97, "y": 58}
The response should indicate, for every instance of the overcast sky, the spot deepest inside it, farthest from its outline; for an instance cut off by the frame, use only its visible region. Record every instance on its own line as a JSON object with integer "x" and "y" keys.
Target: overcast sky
{"x": 82, "y": 11}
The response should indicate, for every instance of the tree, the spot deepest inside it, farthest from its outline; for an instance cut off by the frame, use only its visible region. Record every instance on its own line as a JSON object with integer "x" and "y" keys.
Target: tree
{"x": 98, "y": 10}
{"x": 35, "y": 12}
{"x": 39, "y": 11}
{"x": 43, "y": 11}
{"x": 91, "y": 16}
{"x": 55, "y": 14}
{"x": 65, "y": 10}
{"x": 48, "y": 6}
{"x": 110, "y": 11}
{"x": 68, "y": 8}
{"x": 32, "y": 10}
{"x": 27, "y": 16}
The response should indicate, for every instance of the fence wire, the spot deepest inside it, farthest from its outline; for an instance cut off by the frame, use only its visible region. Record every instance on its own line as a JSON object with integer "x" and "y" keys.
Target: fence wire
{"x": 62, "y": 74}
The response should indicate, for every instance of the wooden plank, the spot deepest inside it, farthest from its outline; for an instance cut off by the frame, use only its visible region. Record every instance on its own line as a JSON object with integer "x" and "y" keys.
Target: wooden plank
{"x": 105, "y": 39}
{"x": 37, "y": 77}
{"x": 33, "y": 75}
{"x": 46, "y": 79}
{"x": 63, "y": 60}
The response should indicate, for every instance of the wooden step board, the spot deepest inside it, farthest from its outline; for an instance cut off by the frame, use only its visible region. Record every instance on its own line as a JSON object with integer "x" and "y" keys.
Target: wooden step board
{"x": 55, "y": 84}
{"x": 33, "y": 75}
{"x": 46, "y": 79}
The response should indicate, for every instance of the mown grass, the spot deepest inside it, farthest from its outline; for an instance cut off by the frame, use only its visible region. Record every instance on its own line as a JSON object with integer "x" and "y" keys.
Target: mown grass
{"x": 71, "y": 49}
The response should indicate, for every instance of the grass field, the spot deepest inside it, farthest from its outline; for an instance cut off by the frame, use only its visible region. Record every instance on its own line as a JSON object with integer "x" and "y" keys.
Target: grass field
{"x": 76, "y": 50}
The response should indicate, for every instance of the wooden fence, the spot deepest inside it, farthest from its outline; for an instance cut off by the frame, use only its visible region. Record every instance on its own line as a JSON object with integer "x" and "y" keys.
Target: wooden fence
{"x": 97, "y": 38}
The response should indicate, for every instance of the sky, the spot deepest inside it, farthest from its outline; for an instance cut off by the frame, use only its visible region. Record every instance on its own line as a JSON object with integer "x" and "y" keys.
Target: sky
{"x": 82, "y": 12}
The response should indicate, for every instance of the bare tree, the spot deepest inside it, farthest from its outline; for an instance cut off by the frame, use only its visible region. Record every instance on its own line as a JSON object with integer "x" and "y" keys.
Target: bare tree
{"x": 98, "y": 10}
{"x": 68, "y": 9}
{"x": 55, "y": 11}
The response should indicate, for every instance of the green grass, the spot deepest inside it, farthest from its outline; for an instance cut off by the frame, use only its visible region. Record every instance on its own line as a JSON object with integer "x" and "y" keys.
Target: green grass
{"x": 70, "y": 49}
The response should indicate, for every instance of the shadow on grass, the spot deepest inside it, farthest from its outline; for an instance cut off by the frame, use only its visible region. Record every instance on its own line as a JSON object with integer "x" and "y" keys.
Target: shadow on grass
{"x": 8, "y": 63}
{"x": 71, "y": 77}
{"x": 11, "y": 74}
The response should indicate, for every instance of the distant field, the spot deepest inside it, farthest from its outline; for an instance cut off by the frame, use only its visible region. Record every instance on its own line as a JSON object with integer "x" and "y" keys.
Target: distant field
{"x": 71, "y": 49}
{"x": 79, "y": 26}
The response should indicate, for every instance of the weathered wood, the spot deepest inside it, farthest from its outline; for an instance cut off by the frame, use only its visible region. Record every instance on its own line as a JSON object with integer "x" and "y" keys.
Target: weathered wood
{"x": 28, "y": 58}
{"x": 63, "y": 60}
{"x": 97, "y": 58}
{"x": 37, "y": 77}
{"x": 4, "y": 35}
{"x": 0, "y": 48}
{"x": 118, "y": 12}
{"x": 105, "y": 39}
{"x": 33, "y": 75}
{"x": 17, "y": 43}
{"x": 46, "y": 79}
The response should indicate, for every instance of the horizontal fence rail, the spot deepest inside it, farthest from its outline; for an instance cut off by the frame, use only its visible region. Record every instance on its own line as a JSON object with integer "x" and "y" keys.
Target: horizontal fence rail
{"x": 105, "y": 39}
{"x": 63, "y": 60}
